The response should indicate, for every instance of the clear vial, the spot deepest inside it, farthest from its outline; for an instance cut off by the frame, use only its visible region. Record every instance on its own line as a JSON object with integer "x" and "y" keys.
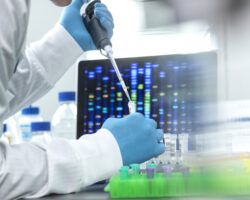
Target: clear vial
{"x": 64, "y": 119}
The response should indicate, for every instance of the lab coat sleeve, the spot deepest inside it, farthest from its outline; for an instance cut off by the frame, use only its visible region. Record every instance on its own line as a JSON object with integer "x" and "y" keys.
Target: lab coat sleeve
{"x": 40, "y": 67}
{"x": 57, "y": 166}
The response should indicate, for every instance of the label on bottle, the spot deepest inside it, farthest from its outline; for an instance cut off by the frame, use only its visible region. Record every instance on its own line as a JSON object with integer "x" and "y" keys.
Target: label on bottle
{"x": 25, "y": 132}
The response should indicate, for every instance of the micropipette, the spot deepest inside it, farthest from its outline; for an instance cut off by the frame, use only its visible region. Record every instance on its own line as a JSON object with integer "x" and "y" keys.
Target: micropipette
{"x": 102, "y": 42}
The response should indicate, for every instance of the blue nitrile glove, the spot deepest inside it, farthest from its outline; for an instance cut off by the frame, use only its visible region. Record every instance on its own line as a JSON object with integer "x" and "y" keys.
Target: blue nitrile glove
{"x": 72, "y": 21}
{"x": 137, "y": 137}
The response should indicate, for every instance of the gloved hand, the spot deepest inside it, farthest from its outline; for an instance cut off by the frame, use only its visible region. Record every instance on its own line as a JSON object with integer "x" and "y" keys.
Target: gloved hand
{"x": 72, "y": 21}
{"x": 137, "y": 137}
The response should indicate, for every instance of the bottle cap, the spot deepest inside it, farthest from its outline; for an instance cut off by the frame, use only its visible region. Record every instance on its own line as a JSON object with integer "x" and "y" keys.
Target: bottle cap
{"x": 4, "y": 128}
{"x": 30, "y": 111}
{"x": 40, "y": 126}
{"x": 66, "y": 96}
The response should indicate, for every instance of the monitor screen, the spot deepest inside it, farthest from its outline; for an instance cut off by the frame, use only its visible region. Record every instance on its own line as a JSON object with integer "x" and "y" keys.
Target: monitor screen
{"x": 170, "y": 89}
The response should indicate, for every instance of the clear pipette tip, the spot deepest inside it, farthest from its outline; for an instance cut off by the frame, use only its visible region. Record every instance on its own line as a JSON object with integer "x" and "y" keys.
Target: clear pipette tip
{"x": 131, "y": 107}
{"x": 131, "y": 104}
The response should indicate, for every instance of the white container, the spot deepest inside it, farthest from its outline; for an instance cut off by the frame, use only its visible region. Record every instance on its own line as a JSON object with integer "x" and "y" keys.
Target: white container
{"x": 40, "y": 132}
{"x": 28, "y": 115}
{"x": 64, "y": 119}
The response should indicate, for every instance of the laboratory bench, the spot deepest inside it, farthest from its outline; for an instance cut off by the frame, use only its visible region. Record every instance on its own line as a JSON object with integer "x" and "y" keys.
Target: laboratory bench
{"x": 97, "y": 193}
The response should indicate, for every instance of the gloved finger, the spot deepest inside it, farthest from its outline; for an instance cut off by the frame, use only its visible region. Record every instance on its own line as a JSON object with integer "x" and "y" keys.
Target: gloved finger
{"x": 159, "y": 149}
{"x": 136, "y": 116}
{"x": 77, "y": 3}
{"x": 159, "y": 135}
{"x": 100, "y": 14}
{"x": 105, "y": 10}
{"x": 109, "y": 121}
{"x": 152, "y": 123}
{"x": 108, "y": 27}
{"x": 104, "y": 15}
{"x": 106, "y": 21}
{"x": 100, "y": 5}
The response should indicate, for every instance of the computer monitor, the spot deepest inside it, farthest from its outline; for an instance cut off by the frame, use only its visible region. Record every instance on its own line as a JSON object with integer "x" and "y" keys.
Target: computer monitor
{"x": 170, "y": 89}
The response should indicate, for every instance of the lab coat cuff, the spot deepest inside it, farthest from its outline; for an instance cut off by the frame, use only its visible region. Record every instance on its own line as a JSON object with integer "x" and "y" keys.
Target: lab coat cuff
{"x": 64, "y": 169}
{"x": 112, "y": 149}
{"x": 103, "y": 161}
{"x": 56, "y": 51}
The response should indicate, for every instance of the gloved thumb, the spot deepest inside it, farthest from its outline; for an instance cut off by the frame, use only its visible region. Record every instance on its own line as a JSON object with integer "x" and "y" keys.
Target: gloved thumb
{"x": 78, "y": 3}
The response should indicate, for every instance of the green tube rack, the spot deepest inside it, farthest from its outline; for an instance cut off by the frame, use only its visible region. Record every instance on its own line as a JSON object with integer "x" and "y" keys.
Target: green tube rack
{"x": 133, "y": 184}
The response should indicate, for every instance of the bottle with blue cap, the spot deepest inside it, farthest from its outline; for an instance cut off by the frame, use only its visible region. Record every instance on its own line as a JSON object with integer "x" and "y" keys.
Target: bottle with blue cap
{"x": 40, "y": 131}
{"x": 28, "y": 115}
{"x": 64, "y": 119}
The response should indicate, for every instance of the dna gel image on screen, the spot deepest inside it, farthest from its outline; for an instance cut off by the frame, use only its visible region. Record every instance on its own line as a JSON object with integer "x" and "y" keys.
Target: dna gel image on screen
{"x": 170, "y": 89}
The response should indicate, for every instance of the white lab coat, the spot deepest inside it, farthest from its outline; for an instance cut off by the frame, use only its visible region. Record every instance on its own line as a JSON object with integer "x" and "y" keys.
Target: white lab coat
{"x": 57, "y": 166}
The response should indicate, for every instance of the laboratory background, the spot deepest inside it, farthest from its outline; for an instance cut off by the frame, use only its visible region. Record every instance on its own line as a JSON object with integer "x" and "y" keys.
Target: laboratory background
{"x": 137, "y": 34}
{"x": 186, "y": 65}
{"x": 141, "y": 32}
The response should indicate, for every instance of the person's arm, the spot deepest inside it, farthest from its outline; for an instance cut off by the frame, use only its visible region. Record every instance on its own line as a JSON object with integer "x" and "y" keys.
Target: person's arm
{"x": 58, "y": 166}
{"x": 45, "y": 61}
{"x": 63, "y": 166}
{"x": 40, "y": 67}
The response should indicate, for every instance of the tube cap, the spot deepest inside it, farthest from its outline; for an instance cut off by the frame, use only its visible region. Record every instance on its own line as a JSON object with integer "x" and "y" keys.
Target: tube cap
{"x": 66, "y": 96}
{"x": 124, "y": 172}
{"x": 135, "y": 168}
{"x": 40, "y": 126}
{"x": 30, "y": 111}
{"x": 150, "y": 172}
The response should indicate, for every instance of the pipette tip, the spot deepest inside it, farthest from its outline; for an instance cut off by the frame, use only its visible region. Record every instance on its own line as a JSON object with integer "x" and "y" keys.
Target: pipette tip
{"x": 132, "y": 107}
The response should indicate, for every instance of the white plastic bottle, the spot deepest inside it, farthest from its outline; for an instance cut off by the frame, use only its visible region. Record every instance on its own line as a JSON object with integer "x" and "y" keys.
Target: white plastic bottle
{"x": 64, "y": 119}
{"x": 28, "y": 115}
{"x": 40, "y": 132}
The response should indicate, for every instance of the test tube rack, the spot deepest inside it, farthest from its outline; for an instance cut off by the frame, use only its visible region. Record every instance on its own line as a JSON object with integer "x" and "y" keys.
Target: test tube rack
{"x": 154, "y": 183}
